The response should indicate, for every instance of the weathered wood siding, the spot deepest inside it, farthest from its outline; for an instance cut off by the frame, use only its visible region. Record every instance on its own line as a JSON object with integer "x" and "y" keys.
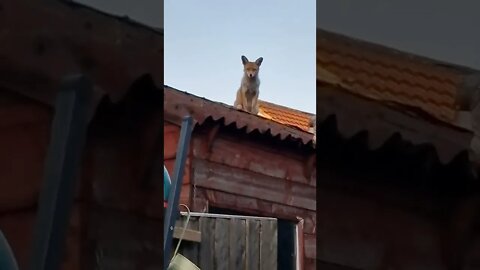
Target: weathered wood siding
{"x": 111, "y": 181}
{"x": 230, "y": 243}
{"x": 382, "y": 228}
{"x": 250, "y": 176}
{"x": 171, "y": 136}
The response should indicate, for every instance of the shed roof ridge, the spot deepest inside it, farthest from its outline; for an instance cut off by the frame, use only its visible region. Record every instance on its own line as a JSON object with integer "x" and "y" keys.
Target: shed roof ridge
{"x": 270, "y": 106}
{"x": 345, "y": 38}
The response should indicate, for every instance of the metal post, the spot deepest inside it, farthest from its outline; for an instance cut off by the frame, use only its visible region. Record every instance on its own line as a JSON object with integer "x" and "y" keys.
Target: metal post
{"x": 7, "y": 259}
{"x": 64, "y": 153}
{"x": 174, "y": 196}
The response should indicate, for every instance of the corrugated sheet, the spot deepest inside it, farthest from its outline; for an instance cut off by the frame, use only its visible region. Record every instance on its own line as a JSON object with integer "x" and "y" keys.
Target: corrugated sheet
{"x": 178, "y": 104}
{"x": 113, "y": 51}
{"x": 385, "y": 74}
{"x": 355, "y": 114}
{"x": 287, "y": 116}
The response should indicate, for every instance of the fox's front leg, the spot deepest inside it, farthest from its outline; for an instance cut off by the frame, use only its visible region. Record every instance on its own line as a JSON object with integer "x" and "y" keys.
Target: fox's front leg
{"x": 255, "y": 107}
{"x": 245, "y": 104}
{"x": 238, "y": 104}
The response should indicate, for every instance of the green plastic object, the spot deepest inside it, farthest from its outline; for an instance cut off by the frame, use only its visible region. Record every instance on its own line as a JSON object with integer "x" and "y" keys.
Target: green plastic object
{"x": 166, "y": 184}
{"x": 7, "y": 260}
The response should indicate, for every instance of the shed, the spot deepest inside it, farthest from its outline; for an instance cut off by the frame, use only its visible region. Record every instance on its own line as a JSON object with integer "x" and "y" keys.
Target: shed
{"x": 397, "y": 160}
{"x": 117, "y": 215}
{"x": 246, "y": 164}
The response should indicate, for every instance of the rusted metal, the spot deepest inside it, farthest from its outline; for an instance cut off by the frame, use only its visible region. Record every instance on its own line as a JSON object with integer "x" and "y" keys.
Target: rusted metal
{"x": 112, "y": 50}
{"x": 285, "y": 115}
{"x": 387, "y": 75}
{"x": 178, "y": 103}
{"x": 354, "y": 114}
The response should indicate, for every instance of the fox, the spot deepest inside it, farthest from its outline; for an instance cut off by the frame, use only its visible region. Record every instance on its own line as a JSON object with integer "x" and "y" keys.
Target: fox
{"x": 247, "y": 94}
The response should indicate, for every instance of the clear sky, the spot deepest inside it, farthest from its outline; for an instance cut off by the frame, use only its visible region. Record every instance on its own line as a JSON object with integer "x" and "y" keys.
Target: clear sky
{"x": 148, "y": 12}
{"x": 441, "y": 29}
{"x": 205, "y": 39}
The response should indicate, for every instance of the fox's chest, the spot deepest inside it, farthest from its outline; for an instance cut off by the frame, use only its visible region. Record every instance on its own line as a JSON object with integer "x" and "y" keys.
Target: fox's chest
{"x": 250, "y": 92}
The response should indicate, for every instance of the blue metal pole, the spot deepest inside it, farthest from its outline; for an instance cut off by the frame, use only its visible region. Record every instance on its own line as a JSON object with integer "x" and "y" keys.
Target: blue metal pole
{"x": 7, "y": 259}
{"x": 67, "y": 139}
{"x": 172, "y": 212}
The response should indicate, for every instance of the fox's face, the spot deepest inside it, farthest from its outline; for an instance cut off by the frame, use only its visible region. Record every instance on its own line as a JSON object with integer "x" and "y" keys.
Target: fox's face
{"x": 251, "y": 68}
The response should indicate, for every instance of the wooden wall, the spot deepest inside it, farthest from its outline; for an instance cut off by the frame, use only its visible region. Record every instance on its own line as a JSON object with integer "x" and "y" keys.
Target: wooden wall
{"x": 24, "y": 137}
{"x": 114, "y": 206}
{"x": 229, "y": 243}
{"x": 171, "y": 136}
{"x": 250, "y": 176}
{"x": 385, "y": 228}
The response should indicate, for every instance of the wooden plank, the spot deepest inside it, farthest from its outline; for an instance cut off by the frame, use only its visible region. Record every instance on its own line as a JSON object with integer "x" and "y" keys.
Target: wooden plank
{"x": 189, "y": 235}
{"x": 185, "y": 193}
{"x": 268, "y": 244}
{"x": 227, "y": 216}
{"x": 200, "y": 204}
{"x": 331, "y": 266}
{"x": 24, "y": 114}
{"x": 116, "y": 237}
{"x": 254, "y": 157}
{"x": 179, "y": 225}
{"x": 252, "y": 244}
{"x": 310, "y": 246}
{"x": 255, "y": 206}
{"x": 18, "y": 148}
{"x": 221, "y": 245}
{"x": 237, "y": 243}
{"x": 191, "y": 249}
{"x": 241, "y": 182}
{"x": 207, "y": 228}
{"x": 171, "y": 135}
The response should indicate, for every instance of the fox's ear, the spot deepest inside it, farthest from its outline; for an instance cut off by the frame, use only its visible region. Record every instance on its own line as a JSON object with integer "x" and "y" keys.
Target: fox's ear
{"x": 244, "y": 59}
{"x": 259, "y": 61}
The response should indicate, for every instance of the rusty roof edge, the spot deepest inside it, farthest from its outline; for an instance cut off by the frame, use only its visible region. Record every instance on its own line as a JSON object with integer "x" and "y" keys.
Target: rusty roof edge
{"x": 402, "y": 108}
{"x": 74, "y": 49}
{"x": 457, "y": 69}
{"x": 376, "y": 138}
{"x": 272, "y": 127}
{"x": 380, "y": 134}
{"x": 232, "y": 109}
{"x": 284, "y": 107}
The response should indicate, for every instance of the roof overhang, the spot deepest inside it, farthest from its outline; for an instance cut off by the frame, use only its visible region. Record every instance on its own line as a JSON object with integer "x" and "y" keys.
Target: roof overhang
{"x": 178, "y": 104}
{"x": 355, "y": 114}
{"x": 43, "y": 41}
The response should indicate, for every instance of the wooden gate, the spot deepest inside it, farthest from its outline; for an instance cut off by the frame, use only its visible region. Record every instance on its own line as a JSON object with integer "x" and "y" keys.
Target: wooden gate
{"x": 227, "y": 242}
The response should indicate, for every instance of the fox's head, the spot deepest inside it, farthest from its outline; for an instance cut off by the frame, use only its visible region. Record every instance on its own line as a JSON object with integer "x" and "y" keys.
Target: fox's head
{"x": 251, "y": 68}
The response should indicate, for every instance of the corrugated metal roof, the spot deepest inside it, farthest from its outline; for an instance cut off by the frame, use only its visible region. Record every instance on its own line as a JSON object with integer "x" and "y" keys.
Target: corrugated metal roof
{"x": 287, "y": 116}
{"x": 113, "y": 51}
{"x": 386, "y": 74}
{"x": 178, "y": 104}
{"x": 355, "y": 115}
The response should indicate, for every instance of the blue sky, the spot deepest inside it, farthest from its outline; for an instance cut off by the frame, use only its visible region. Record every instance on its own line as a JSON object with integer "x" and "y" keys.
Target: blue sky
{"x": 205, "y": 39}
{"x": 440, "y": 29}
